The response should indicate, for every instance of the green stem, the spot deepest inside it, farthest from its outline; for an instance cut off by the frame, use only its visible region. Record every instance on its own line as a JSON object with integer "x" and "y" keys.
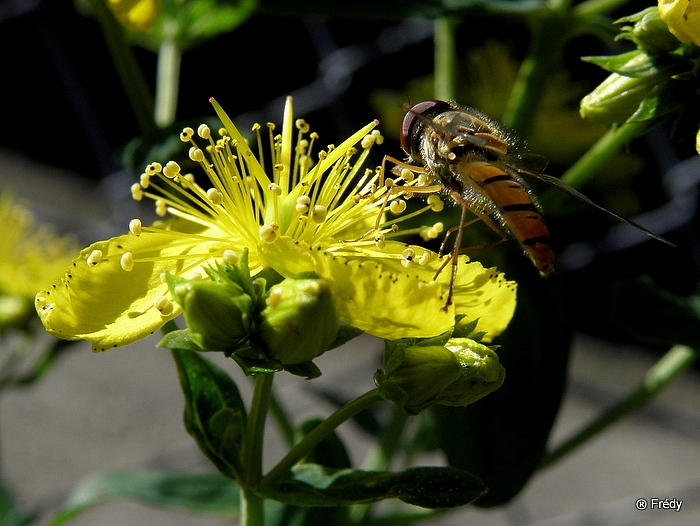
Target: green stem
{"x": 380, "y": 458}
{"x": 133, "y": 82}
{"x": 445, "y": 57}
{"x": 545, "y": 47}
{"x": 252, "y": 509}
{"x": 675, "y": 361}
{"x": 320, "y": 432}
{"x": 590, "y": 162}
{"x": 168, "y": 75}
{"x": 251, "y": 454}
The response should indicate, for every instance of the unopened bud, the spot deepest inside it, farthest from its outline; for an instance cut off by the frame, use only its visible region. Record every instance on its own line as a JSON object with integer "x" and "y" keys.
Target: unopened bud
{"x": 217, "y": 314}
{"x": 618, "y": 97}
{"x": 648, "y": 31}
{"x": 300, "y": 321}
{"x": 416, "y": 377}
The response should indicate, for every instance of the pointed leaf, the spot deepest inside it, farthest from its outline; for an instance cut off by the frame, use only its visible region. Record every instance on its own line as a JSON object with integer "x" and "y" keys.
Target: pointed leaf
{"x": 428, "y": 487}
{"x": 200, "y": 493}
{"x": 214, "y": 412}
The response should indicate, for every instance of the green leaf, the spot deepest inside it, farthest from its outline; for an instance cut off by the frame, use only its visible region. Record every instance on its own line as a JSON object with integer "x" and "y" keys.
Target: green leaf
{"x": 664, "y": 99}
{"x": 199, "y": 493}
{"x": 214, "y": 412}
{"x": 428, "y": 487}
{"x": 179, "y": 339}
{"x": 502, "y": 437}
{"x": 10, "y": 514}
{"x": 655, "y": 314}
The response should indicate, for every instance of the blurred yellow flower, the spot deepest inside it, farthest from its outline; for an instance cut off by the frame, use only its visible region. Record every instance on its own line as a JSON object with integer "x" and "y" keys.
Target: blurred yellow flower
{"x": 135, "y": 14}
{"x": 295, "y": 215}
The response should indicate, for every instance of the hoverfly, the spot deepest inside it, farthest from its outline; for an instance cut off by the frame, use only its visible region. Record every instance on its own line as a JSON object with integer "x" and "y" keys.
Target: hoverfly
{"x": 471, "y": 158}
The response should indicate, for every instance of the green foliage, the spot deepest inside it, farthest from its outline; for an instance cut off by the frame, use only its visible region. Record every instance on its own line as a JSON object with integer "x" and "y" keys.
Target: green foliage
{"x": 214, "y": 412}
{"x": 202, "y": 493}
{"x": 315, "y": 485}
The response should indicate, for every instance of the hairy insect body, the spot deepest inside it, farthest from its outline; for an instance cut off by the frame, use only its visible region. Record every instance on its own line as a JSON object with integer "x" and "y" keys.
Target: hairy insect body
{"x": 469, "y": 155}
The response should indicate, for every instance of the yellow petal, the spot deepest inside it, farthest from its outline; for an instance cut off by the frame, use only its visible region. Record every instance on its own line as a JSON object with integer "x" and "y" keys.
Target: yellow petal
{"x": 374, "y": 292}
{"x": 682, "y": 18}
{"x": 102, "y": 303}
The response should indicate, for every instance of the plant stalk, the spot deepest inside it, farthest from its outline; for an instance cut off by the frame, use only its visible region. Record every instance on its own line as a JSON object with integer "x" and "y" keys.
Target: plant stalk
{"x": 320, "y": 432}
{"x": 675, "y": 361}
{"x": 167, "y": 76}
{"x": 445, "y": 57}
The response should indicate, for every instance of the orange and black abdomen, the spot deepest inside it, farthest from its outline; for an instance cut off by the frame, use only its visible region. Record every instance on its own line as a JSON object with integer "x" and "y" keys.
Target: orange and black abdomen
{"x": 518, "y": 212}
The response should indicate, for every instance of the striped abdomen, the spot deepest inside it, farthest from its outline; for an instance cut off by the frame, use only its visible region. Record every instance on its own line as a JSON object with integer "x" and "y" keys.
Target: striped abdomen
{"x": 518, "y": 212}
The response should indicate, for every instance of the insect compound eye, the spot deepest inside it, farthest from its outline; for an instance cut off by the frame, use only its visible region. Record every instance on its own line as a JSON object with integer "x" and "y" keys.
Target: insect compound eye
{"x": 413, "y": 115}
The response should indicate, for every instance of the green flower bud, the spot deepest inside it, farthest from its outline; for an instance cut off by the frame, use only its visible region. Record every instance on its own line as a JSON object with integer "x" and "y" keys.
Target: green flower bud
{"x": 619, "y": 96}
{"x": 649, "y": 32}
{"x": 416, "y": 377}
{"x": 217, "y": 313}
{"x": 482, "y": 372}
{"x": 300, "y": 321}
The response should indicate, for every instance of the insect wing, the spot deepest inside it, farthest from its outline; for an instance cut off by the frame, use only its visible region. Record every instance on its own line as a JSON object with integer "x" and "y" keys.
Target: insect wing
{"x": 561, "y": 185}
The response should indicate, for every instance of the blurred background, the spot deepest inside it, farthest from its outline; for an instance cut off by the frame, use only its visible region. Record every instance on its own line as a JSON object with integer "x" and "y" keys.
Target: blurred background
{"x": 71, "y": 146}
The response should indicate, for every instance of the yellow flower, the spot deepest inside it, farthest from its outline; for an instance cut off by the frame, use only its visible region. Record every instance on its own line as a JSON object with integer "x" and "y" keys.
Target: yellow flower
{"x": 135, "y": 14}
{"x": 682, "y": 18}
{"x": 29, "y": 257}
{"x": 295, "y": 215}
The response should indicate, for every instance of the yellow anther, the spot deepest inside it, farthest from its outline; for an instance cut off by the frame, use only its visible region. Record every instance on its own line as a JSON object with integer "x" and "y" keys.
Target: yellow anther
{"x": 425, "y": 258}
{"x": 407, "y": 257}
{"x": 438, "y": 227}
{"x": 268, "y": 233}
{"x": 127, "y": 261}
{"x": 397, "y": 206}
{"x": 171, "y": 169}
{"x": 164, "y": 305}
{"x": 302, "y": 126}
{"x": 423, "y": 180}
{"x": 186, "y": 134}
{"x": 256, "y": 127}
{"x": 367, "y": 141}
{"x": 196, "y": 154}
{"x": 302, "y": 204}
{"x": 379, "y": 241}
{"x": 314, "y": 135}
{"x": 203, "y": 131}
{"x": 436, "y": 204}
{"x": 189, "y": 178}
{"x": 135, "y": 226}
{"x": 136, "y": 192}
{"x": 94, "y": 257}
{"x": 407, "y": 175}
{"x": 230, "y": 257}
{"x": 275, "y": 189}
{"x": 145, "y": 180}
{"x": 153, "y": 168}
{"x": 215, "y": 196}
{"x": 161, "y": 207}
{"x": 377, "y": 136}
{"x": 319, "y": 214}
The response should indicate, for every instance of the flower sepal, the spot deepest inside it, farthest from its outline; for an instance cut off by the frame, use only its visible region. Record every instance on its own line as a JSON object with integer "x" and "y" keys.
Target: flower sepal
{"x": 299, "y": 322}
{"x": 648, "y": 31}
{"x": 440, "y": 370}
